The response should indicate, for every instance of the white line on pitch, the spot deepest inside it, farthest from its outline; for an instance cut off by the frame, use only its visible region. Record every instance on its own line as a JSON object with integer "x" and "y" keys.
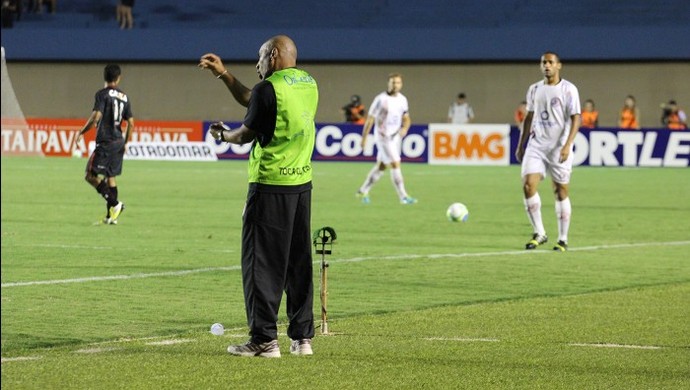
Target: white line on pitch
{"x": 19, "y": 359}
{"x": 171, "y": 342}
{"x": 121, "y": 277}
{"x": 62, "y": 246}
{"x": 463, "y": 339}
{"x": 510, "y": 253}
{"x": 351, "y": 260}
{"x": 97, "y": 350}
{"x": 610, "y": 345}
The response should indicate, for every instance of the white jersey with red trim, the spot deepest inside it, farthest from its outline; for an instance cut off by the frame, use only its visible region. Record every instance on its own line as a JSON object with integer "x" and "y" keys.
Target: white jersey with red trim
{"x": 388, "y": 111}
{"x": 553, "y": 106}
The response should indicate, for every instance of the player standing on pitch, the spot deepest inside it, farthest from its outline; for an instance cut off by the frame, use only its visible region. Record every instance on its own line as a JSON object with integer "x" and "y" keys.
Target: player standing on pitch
{"x": 276, "y": 232}
{"x": 112, "y": 106}
{"x": 389, "y": 114}
{"x": 557, "y": 105}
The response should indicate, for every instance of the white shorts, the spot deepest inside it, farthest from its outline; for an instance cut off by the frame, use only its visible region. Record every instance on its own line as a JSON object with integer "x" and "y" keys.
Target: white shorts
{"x": 540, "y": 161}
{"x": 388, "y": 148}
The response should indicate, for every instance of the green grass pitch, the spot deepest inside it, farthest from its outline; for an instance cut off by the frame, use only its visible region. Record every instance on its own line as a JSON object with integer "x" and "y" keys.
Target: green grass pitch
{"x": 415, "y": 301}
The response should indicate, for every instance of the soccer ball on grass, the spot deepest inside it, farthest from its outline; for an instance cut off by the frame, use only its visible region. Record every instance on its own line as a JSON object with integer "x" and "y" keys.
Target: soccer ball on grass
{"x": 457, "y": 212}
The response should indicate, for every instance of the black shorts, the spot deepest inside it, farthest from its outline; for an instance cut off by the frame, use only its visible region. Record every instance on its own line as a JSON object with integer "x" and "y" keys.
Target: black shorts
{"x": 107, "y": 159}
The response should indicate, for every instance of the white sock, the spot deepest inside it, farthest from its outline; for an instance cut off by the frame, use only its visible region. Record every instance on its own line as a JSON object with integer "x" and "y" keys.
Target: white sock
{"x": 563, "y": 211}
{"x": 373, "y": 176}
{"x": 398, "y": 183}
{"x": 533, "y": 209}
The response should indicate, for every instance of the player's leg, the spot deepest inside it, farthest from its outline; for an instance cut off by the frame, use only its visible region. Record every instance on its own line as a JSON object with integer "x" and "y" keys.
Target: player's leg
{"x": 299, "y": 286}
{"x": 266, "y": 230}
{"x": 95, "y": 177}
{"x": 113, "y": 166}
{"x": 374, "y": 174}
{"x": 112, "y": 185}
{"x": 533, "y": 171}
{"x": 560, "y": 172}
{"x": 392, "y": 150}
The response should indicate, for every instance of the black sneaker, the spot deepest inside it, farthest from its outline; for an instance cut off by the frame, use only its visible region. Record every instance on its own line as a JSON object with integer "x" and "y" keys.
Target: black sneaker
{"x": 561, "y": 246}
{"x": 268, "y": 349}
{"x": 536, "y": 240}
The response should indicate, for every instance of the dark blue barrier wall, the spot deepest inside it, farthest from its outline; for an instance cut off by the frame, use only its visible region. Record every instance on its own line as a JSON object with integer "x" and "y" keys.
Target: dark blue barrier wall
{"x": 460, "y": 44}
{"x": 359, "y": 30}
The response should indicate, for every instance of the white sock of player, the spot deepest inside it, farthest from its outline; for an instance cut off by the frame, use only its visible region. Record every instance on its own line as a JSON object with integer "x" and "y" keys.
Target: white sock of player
{"x": 398, "y": 182}
{"x": 533, "y": 209}
{"x": 373, "y": 176}
{"x": 563, "y": 211}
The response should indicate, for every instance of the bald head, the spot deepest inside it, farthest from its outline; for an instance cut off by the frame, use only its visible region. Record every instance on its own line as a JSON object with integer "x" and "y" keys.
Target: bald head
{"x": 286, "y": 49}
{"x": 279, "y": 52}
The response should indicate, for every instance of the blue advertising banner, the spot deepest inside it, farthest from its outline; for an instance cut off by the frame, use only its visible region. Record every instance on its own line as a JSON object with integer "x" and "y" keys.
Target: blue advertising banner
{"x": 335, "y": 142}
{"x": 615, "y": 147}
{"x": 593, "y": 147}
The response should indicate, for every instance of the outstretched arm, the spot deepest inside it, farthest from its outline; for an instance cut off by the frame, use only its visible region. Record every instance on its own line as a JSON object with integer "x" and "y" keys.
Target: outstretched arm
{"x": 215, "y": 65}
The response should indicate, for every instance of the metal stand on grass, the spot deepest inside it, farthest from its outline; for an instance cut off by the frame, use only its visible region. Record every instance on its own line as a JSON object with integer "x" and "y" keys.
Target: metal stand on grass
{"x": 323, "y": 242}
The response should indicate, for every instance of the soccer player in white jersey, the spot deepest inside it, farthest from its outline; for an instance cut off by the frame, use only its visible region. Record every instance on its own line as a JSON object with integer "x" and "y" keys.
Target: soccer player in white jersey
{"x": 551, "y": 132}
{"x": 389, "y": 116}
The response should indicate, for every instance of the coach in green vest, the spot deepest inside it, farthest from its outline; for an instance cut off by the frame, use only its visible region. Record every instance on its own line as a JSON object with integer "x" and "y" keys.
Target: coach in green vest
{"x": 276, "y": 238}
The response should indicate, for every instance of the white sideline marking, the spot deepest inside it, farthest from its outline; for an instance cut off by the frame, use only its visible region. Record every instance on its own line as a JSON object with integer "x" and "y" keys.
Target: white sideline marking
{"x": 121, "y": 277}
{"x": 171, "y": 342}
{"x": 462, "y": 339}
{"x": 351, "y": 260}
{"x": 609, "y": 345}
{"x": 96, "y": 350}
{"x": 62, "y": 246}
{"x": 20, "y": 359}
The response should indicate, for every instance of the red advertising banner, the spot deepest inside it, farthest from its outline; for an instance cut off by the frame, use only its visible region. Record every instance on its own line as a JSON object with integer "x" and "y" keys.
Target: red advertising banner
{"x": 55, "y": 136}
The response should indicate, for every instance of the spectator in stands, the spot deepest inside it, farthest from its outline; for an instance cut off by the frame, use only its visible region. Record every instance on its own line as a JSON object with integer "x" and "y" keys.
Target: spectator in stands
{"x": 36, "y": 6}
{"x": 124, "y": 14}
{"x": 629, "y": 117}
{"x": 673, "y": 117}
{"x": 9, "y": 10}
{"x": 354, "y": 111}
{"x": 520, "y": 113}
{"x": 590, "y": 116}
{"x": 460, "y": 111}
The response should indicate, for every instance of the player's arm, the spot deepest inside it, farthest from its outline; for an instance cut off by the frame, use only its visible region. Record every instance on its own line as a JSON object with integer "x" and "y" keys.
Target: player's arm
{"x": 524, "y": 134}
{"x": 366, "y": 129}
{"x": 94, "y": 118}
{"x": 215, "y": 65}
{"x": 223, "y": 133}
{"x": 574, "y": 128}
{"x": 406, "y": 123}
{"x": 130, "y": 129}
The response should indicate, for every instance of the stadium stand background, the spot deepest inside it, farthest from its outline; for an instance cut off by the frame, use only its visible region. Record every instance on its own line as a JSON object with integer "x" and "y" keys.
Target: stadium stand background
{"x": 361, "y": 30}
{"x": 488, "y": 49}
